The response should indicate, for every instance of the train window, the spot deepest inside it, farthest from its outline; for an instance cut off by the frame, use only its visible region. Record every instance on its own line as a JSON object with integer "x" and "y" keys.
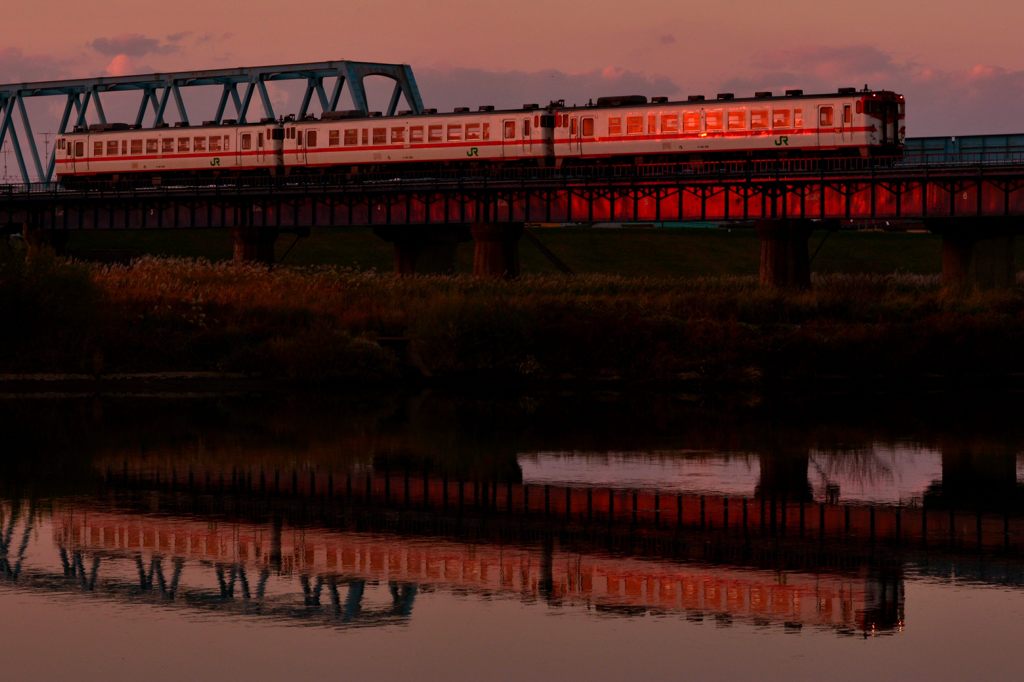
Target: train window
{"x": 366, "y": 136}
{"x": 247, "y": 142}
{"x": 737, "y": 119}
{"x": 652, "y": 123}
{"x": 333, "y": 138}
{"x": 311, "y": 138}
{"x": 227, "y": 143}
{"x": 713, "y": 120}
{"x": 634, "y": 125}
{"x": 215, "y": 143}
{"x": 798, "y": 118}
{"x": 472, "y": 131}
{"x": 380, "y": 135}
{"x": 574, "y": 127}
{"x": 183, "y": 144}
{"x": 758, "y": 119}
{"x": 259, "y": 140}
{"x": 847, "y": 114}
{"x": 97, "y": 149}
{"x": 124, "y": 147}
{"x": 782, "y": 118}
{"x": 526, "y": 127}
{"x": 298, "y": 139}
{"x": 454, "y": 133}
{"x": 136, "y": 147}
{"x": 152, "y": 145}
{"x": 277, "y": 133}
{"x": 691, "y": 121}
{"x": 825, "y": 117}
{"x": 351, "y": 137}
{"x": 486, "y": 131}
{"x": 669, "y": 123}
{"x": 614, "y": 125}
{"x": 588, "y": 127}
{"x": 398, "y": 134}
{"x": 199, "y": 144}
{"x": 416, "y": 134}
{"x": 111, "y": 147}
{"x": 79, "y": 149}
{"x": 510, "y": 130}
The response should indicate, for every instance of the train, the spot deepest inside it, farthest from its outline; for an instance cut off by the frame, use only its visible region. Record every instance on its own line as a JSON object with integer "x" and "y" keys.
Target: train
{"x": 625, "y": 128}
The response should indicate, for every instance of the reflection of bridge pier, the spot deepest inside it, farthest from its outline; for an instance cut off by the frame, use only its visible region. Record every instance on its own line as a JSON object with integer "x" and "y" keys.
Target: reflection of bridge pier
{"x": 977, "y": 475}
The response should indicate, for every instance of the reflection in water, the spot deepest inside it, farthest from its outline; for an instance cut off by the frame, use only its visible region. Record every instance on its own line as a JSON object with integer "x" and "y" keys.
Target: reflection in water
{"x": 344, "y": 515}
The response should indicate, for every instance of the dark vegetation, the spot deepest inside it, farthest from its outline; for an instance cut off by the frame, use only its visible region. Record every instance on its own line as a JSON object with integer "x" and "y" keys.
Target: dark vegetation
{"x": 330, "y": 324}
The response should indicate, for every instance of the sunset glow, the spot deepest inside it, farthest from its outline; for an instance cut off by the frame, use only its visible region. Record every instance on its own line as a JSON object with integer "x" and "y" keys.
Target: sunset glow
{"x": 486, "y": 52}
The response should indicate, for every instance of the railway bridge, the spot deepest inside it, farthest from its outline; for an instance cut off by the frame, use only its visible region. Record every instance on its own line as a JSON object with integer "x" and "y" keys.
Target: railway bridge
{"x": 974, "y": 200}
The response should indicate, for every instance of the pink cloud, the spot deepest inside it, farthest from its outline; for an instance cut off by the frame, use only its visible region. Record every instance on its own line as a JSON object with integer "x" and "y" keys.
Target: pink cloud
{"x": 120, "y": 65}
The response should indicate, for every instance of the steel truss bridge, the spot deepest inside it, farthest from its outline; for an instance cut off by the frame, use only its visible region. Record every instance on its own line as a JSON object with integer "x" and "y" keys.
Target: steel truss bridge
{"x": 82, "y": 99}
{"x": 969, "y": 190}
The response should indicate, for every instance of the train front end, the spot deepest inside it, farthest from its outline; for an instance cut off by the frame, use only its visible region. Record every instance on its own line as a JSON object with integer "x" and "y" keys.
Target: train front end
{"x": 886, "y": 117}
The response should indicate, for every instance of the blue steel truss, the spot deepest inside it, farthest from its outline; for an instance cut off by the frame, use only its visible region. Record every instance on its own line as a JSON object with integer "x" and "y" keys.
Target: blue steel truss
{"x": 159, "y": 90}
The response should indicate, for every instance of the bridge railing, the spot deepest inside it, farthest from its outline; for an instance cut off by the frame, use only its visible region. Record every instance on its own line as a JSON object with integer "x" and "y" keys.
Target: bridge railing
{"x": 389, "y": 179}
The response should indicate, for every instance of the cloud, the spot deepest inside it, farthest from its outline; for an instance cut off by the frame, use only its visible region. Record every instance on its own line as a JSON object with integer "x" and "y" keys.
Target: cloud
{"x": 667, "y": 39}
{"x": 18, "y": 67}
{"x": 939, "y": 102}
{"x": 123, "y": 65}
{"x": 136, "y": 45}
{"x": 447, "y": 88}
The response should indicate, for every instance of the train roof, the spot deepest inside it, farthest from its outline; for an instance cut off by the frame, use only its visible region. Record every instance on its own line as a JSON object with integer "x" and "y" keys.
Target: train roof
{"x": 95, "y": 128}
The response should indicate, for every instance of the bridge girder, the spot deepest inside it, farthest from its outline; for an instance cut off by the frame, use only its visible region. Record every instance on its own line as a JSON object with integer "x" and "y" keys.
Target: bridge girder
{"x": 158, "y": 90}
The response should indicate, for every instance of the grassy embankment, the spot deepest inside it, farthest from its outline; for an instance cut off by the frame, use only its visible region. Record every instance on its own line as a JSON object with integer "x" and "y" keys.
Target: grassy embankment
{"x": 338, "y": 325}
{"x": 635, "y": 252}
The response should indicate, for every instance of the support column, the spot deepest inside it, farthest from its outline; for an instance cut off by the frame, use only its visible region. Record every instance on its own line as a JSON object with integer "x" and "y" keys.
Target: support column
{"x": 424, "y": 249}
{"x": 39, "y": 240}
{"x": 785, "y": 262}
{"x": 496, "y": 251}
{"x": 254, "y": 244}
{"x": 977, "y": 253}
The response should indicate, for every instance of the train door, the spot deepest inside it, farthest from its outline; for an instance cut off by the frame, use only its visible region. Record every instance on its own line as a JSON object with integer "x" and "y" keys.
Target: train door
{"x": 826, "y": 125}
{"x": 846, "y": 125}
{"x": 574, "y": 135}
{"x": 508, "y": 137}
{"x": 75, "y": 150}
{"x": 586, "y": 131}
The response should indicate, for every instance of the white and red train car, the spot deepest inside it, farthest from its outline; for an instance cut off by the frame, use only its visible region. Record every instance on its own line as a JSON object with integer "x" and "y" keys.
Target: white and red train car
{"x": 115, "y": 150}
{"x": 848, "y": 122}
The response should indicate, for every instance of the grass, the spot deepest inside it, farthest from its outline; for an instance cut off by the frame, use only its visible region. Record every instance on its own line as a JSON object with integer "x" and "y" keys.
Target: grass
{"x": 633, "y": 252}
{"x": 341, "y": 325}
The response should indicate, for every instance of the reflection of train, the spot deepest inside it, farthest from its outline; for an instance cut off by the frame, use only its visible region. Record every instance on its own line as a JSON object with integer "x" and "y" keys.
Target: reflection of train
{"x": 628, "y": 128}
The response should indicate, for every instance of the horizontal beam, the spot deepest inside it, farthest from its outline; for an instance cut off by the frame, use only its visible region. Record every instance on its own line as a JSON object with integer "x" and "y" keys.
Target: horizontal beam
{"x": 208, "y": 77}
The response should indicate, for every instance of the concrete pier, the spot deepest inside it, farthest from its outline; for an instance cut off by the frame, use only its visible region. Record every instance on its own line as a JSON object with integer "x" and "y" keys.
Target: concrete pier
{"x": 424, "y": 249}
{"x": 39, "y": 240}
{"x": 496, "y": 249}
{"x": 785, "y": 262}
{"x": 254, "y": 243}
{"x": 977, "y": 253}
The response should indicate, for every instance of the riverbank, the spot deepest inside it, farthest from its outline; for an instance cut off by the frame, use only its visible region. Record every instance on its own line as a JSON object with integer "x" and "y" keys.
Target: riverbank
{"x": 326, "y": 325}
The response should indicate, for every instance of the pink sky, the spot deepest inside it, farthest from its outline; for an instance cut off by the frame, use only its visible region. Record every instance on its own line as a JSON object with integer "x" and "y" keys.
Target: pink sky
{"x": 959, "y": 64}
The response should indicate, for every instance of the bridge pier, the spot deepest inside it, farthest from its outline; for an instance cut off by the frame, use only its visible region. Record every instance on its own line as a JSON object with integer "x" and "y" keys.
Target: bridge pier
{"x": 977, "y": 253}
{"x": 785, "y": 260}
{"x": 254, "y": 243}
{"x": 496, "y": 249}
{"x": 424, "y": 249}
{"x": 39, "y": 240}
